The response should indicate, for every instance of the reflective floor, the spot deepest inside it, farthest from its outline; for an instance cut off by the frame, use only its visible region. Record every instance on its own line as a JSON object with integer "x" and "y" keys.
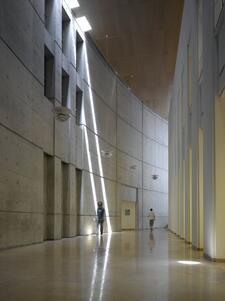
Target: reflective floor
{"x": 123, "y": 266}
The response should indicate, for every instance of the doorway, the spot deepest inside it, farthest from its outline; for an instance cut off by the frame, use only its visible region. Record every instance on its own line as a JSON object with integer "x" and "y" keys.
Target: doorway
{"x": 128, "y": 215}
{"x": 78, "y": 199}
{"x": 219, "y": 206}
{"x": 190, "y": 197}
{"x": 200, "y": 189}
{"x": 65, "y": 199}
{"x": 47, "y": 196}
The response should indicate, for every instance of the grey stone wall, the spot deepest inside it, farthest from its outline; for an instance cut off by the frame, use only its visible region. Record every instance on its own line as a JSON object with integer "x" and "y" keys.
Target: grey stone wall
{"x": 44, "y": 160}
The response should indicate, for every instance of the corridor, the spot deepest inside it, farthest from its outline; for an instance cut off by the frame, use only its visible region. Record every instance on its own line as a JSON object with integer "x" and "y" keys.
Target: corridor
{"x": 121, "y": 266}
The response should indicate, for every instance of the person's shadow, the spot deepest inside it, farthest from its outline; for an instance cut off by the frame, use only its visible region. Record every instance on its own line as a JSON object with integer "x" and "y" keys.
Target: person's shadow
{"x": 151, "y": 241}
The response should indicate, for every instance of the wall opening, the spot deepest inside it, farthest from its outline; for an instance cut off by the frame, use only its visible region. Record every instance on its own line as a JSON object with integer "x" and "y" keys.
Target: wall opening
{"x": 183, "y": 200}
{"x": 65, "y": 88}
{"x": 49, "y": 15}
{"x": 65, "y": 199}
{"x": 65, "y": 32}
{"x": 128, "y": 215}
{"x": 190, "y": 197}
{"x": 179, "y": 200}
{"x": 78, "y": 198}
{"x": 79, "y": 48}
{"x": 200, "y": 37}
{"x": 200, "y": 189}
{"x": 79, "y": 105}
{"x": 189, "y": 70}
{"x": 49, "y": 78}
{"x": 219, "y": 220}
{"x": 218, "y": 8}
{"x": 48, "y": 196}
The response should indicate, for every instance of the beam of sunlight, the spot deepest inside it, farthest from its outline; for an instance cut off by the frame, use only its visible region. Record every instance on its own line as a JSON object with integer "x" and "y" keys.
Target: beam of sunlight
{"x": 105, "y": 200}
{"x": 189, "y": 262}
{"x": 90, "y": 166}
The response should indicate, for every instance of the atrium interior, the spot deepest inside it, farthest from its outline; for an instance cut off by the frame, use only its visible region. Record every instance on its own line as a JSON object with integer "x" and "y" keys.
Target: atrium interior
{"x": 113, "y": 107}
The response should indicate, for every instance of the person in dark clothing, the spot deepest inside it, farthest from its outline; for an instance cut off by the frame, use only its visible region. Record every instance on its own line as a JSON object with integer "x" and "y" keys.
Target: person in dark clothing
{"x": 100, "y": 217}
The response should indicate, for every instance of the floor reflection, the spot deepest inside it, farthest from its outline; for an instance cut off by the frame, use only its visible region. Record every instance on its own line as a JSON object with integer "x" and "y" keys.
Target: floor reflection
{"x": 151, "y": 240}
{"x": 100, "y": 266}
{"x": 122, "y": 266}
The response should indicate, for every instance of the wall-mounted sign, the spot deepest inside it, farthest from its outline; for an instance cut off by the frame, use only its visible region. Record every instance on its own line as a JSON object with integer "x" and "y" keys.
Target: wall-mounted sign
{"x": 127, "y": 211}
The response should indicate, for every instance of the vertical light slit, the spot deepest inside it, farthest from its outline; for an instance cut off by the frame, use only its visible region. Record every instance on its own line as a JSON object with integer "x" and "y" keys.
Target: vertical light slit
{"x": 97, "y": 143}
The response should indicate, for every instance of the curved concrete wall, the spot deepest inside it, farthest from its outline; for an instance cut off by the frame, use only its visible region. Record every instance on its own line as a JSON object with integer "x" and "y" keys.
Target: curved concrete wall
{"x": 113, "y": 120}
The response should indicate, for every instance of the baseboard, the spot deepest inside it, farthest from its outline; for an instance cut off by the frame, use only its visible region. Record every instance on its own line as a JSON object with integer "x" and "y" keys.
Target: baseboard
{"x": 220, "y": 260}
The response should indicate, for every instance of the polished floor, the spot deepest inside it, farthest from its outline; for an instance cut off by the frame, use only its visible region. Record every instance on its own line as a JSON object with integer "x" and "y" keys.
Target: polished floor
{"x": 122, "y": 266}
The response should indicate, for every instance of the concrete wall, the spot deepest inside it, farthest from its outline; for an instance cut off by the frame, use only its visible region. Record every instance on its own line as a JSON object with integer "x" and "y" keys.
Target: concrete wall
{"x": 196, "y": 129}
{"x": 53, "y": 172}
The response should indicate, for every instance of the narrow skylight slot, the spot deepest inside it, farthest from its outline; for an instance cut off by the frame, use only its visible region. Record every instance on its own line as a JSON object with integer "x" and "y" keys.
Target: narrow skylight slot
{"x": 73, "y": 4}
{"x": 84, "y": 24}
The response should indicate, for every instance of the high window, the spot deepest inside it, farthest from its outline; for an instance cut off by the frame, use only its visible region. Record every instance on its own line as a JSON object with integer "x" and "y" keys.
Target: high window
{"x": 65, "y": 88}
{"x": 49, "y": 15}
{"x": 65, "y": 32}
{"x": 200, "y": 37}
{"x": 218, "y": 7}
{"x": 49, "y": 78}
{"x": 79, "y": 47}
{"x": 79, "y": 105}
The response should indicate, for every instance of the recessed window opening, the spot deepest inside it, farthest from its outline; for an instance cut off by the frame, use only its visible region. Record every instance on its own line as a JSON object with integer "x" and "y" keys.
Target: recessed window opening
{"x": 79, "y": 104}
{"x": 79, "y": 47}
{"x": 49, "y": 78}
{"x": 47, "y": 197}
{"x": 65, "y": 88}
{"x": 200, "y": 37}
{"x": 65, "y": 32}
{"x": 218, "y": 7}
{"x": 65, "y": 198}
{"x": 48, "y": 15}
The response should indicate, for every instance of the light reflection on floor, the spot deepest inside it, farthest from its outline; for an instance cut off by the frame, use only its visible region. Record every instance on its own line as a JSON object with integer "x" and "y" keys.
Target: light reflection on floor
{"x": 121, "y": 266}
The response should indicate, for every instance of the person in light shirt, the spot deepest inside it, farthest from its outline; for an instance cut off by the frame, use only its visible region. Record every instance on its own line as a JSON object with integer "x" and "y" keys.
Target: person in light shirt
{"x": 151, "y": 217}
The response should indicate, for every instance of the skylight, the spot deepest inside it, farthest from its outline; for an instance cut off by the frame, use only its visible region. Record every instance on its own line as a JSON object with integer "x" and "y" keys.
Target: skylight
{"x": 84, "y": 24}
{"x": 73, "y": 4}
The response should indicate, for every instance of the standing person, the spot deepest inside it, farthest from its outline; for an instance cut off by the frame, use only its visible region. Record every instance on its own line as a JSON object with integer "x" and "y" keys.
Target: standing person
{"x": 151, "y": 217}
{"x": 100, "y": 217}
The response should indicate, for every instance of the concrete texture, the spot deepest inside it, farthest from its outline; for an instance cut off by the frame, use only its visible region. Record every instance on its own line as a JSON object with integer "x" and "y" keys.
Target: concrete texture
{"x": 53, "y": 172}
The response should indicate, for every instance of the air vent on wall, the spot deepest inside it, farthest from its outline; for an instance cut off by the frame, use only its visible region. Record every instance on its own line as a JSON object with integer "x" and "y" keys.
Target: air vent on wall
{"x": 106, "y": 154}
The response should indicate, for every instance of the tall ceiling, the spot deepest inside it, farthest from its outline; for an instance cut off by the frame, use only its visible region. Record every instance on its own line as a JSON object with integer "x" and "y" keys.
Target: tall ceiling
{"x": 139, "y": 38}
